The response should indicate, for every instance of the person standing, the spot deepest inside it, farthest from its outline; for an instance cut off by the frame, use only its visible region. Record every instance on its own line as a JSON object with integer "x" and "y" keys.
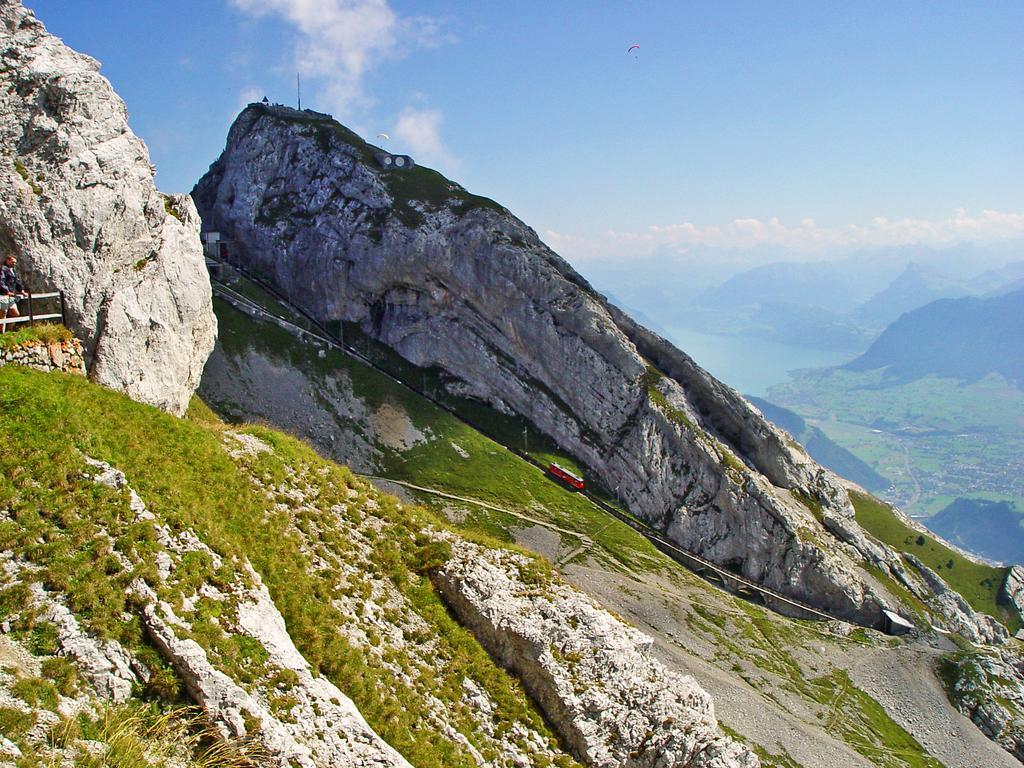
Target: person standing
{"x": 11, "y": 289}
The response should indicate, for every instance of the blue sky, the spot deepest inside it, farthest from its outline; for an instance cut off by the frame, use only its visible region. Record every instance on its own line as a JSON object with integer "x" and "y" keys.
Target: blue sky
{"x": 802, "y": 126}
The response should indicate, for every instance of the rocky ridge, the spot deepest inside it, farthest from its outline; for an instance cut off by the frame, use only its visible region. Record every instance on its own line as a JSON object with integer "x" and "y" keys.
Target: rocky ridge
{"x": 988, "y": 687}
{"x": 78, "y": 205}
{"x": 454, "y": 282}
{"x": 594, "y": 676}
{"x": 954, "y": 612}
{"x": 261, "y": 373}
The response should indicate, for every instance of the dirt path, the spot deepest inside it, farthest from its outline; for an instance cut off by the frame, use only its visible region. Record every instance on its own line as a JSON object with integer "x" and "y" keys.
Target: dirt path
{"x": 587, "y": 541}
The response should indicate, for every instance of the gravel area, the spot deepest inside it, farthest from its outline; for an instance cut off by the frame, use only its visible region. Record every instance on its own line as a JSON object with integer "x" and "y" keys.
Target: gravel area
{"x": 899, "y": 678}
{"x": 912, "y": 695}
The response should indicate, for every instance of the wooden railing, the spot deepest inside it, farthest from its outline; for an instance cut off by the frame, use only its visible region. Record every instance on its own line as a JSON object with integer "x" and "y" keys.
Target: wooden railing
{"x": 31, "y": 316}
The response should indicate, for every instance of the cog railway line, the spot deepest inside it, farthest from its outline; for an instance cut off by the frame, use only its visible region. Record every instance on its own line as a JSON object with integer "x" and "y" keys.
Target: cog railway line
{"x": 711, "y": 572}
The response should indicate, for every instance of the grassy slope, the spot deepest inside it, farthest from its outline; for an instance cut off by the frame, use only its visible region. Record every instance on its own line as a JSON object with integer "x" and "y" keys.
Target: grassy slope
{"x": 491, "y": 473}
{"x": 182, "y": 471}
{"x": 979, "y": 584}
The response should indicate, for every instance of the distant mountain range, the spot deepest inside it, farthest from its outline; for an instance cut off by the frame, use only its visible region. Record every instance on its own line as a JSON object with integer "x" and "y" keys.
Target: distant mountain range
{"x": 965, "y": 339}
{"x": 836, "y": 286}
{"x": 841, "y": 304}
{"x": 916, "y": 286}
{"x": 990, "y": 528}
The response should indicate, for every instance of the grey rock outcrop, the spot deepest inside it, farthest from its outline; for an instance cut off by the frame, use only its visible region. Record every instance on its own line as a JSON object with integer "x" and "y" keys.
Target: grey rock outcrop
{"x": 323, "y": 729}
{"x": 455, "y": 282}
{"x": 78, "y": 204}
{"x": 103, "y": 663}
{"x": 1013, "y": 589}
{"x": 609, "y": 699}
{"x": 954, "y": 613}
{"x": 989, "y": 689}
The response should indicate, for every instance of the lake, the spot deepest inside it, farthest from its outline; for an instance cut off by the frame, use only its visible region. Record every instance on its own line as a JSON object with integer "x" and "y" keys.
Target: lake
{"x": 750, "y": 365}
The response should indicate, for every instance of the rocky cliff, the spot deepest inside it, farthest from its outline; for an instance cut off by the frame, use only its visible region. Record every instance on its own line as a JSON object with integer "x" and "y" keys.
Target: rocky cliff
{"x": 78, "y": 206}
{"x": 454, "y": 282}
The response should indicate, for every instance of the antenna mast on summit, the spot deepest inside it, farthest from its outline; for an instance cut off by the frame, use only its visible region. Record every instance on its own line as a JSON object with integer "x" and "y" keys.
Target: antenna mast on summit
{"x": 298, "y": 90}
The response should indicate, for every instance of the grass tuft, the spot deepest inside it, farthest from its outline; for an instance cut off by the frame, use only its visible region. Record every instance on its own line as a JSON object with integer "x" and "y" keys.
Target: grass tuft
{"x": 42, "y": 333}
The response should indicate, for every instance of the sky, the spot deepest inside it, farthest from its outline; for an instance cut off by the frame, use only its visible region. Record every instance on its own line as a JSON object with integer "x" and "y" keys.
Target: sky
{"x": 803, "y": 128}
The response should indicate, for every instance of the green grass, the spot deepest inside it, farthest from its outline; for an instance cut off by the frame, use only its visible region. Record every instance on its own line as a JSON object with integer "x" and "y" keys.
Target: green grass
{"x": 861, "y": 722}
{"x": 768, "y": 759}
{"x": 978, "y": 583}
{"x": 650, "y": 381}
{"x": 23, "y": 172}
{"x": 60, "y": 521}
{"x": 41, "y": 333}
{"x": 172, "y": 209}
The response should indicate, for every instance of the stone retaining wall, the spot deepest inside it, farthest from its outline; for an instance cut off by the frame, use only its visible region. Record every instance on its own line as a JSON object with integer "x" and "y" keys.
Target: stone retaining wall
{"x": 63, "y": 356}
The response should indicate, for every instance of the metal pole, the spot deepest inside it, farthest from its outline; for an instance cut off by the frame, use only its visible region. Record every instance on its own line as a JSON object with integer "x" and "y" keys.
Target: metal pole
{"x": 63, "y": 310}
{"x": 31, "y": 313}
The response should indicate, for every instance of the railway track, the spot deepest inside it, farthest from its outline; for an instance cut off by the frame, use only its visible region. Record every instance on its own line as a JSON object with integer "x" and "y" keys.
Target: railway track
{"x": 708, "y": 570}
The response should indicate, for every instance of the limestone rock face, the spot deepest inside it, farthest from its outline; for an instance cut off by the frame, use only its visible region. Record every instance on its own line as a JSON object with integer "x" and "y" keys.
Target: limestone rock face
{"x": 455, "y": 282}
{"x": 78, "y": 205}
{"x": 1013, "y": 588}
{"x": 989, "y": 689}
{"x": 610, "y": 701}
{"x": 955, "y": 613}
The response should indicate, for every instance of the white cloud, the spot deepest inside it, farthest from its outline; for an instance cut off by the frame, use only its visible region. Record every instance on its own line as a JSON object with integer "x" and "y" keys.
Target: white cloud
{"x": 804, "y": 238}
{"x": 420, "y": 130}
{"x": 340, "y": 41}
{"x": 249, "y": 94}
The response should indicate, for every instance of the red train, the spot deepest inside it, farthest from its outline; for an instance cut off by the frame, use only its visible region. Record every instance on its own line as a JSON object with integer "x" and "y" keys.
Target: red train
{"x": 567, "y": 477}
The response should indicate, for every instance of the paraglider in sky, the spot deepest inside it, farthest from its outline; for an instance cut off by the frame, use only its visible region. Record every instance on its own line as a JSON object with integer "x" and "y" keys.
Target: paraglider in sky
{"x": 383, "y": 136}
{"x": 633, "y": 47}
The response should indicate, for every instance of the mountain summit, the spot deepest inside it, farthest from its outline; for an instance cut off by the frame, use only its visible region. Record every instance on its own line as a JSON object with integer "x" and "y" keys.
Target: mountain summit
{"x": 453, "y": 282}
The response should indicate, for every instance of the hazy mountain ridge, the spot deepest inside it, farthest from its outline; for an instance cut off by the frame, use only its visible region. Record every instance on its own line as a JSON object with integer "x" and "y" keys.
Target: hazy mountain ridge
{"x": 993, "y": 529}
{"x": 914, "y": 287}
{"x": 834, "y": 304}
{"x": 966, "y": 339}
